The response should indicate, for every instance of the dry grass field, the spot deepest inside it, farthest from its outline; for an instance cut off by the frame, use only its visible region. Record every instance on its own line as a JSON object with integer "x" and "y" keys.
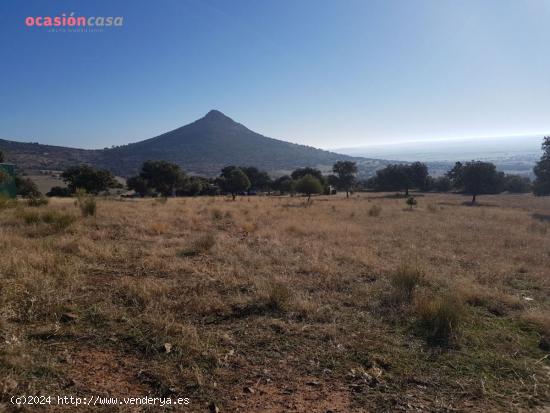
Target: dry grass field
{"x": 269, "y": 305}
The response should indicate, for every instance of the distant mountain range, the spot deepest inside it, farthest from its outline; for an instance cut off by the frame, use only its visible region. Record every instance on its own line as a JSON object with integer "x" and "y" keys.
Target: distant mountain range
{"x": 203, "y": 147}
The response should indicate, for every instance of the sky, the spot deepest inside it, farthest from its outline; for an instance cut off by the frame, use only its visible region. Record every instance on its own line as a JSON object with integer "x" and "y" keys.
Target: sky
{"x": 329, "y": 74}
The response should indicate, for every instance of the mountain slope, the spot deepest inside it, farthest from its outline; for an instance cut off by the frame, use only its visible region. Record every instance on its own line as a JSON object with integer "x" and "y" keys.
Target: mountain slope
{"x": 212, "y": 142}
{"x": 203, "y": 147}
{"x": 35, "y": 156}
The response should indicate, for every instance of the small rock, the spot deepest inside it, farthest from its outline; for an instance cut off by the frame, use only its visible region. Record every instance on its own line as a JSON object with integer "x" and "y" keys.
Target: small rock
{"x": 167, "y": 348}
{"x": 213, "y": 408}
{"x": 249, "y": 390}
{"x": 68, "y": 317}
{"x": 313, "y": 383}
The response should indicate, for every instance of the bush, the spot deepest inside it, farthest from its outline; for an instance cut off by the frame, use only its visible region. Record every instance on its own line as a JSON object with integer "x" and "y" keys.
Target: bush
{"x": 86, "y": 203}
{"x": 375, "y": 210}
{"x": 56, "y": 219}
{"x": 440, "y": 319}
{"x": 59, "y": 191}
{"x": 411, "y": 202}
{"x": 404, "y": 282}
{"x": 37, "y": 201}
{"x": 6, "y": 202}
{"x": 279, "y": 295}
{"x": 88, "y": 207}
{"x": 199, "y": 246}
{"x": 217, "y": 214}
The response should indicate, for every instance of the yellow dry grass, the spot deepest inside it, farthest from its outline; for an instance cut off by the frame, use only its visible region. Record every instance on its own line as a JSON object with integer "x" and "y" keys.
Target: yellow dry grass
{"x": 270, "y": 294}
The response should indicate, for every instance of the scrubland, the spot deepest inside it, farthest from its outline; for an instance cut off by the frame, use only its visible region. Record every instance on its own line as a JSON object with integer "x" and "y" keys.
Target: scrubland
{"x": 268, "y": 304}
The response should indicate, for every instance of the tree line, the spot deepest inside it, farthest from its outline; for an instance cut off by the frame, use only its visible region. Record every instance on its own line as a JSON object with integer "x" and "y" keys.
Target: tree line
{"x": 162, "y": 178}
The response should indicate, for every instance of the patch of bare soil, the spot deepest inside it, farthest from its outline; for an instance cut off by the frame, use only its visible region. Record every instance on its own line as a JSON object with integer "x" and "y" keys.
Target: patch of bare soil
{"x": 105, "y": 372}
{"x": 303, "y": 395}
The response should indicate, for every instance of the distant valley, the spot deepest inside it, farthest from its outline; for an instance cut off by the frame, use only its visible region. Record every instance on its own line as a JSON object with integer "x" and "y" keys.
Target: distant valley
{"x": 516, "y": 154}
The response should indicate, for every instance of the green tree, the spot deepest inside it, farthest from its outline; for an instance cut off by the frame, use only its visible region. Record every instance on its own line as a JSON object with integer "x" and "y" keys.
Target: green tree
{"x": 301, "y": 172}
{"x": 541, "y": 185}
{"x": 88, "y": 178}
{"x": 392, "y": 177}
{"x": 517, "y": 184}
{"x": 259, "y": 180}
{"x": 418, "y": 174}
{"x": 26, "y": 187}
{"x": 345, "y": 172}
{"x": 284, "y": 184}
{"x": 441, "y": 184}
{"x": 480, "y": 178}
{"x": 139, "y": 185}
{"x": 235, "y": 181}
{"x": 161, "y": 176}
{"x": 309, "y": 185}
{"x": 455, "y": 175}
{"x": 192, "y": 186}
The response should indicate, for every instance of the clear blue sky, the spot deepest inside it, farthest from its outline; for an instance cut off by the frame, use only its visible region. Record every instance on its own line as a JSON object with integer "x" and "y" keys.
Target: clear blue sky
{"x": 325, "y": 73}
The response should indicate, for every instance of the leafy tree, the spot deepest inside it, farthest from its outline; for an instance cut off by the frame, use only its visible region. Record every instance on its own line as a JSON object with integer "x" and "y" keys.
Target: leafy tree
{"x": 541, "y": 186}
{"x": 480, "y": 178}
{"x": 442, "y": 184}
{"x": 235, "y": 181}
{"x": 26, "y": 187}
{"x": 411, "y": 202}
{"x": 517, "y": 184}
{"x": 284, "y": 184}
{"x": 88, "y": 178}
{"x": 309, "y": 185}
{"x": 418, "y": 174}
{"x": 139, "y": 185}
{"x": 301, "y": 172}
{"x": 192, "y": 186}
{"x": 455, "y": 175}
{"x": 2, "y": 158}
{"x": 345, "y": 172}
{"x": 259, "y": 180}
{"x": 59, "y": 191}
{"x": 164, "y": 177}
{"x": 393, "y": 177}
{"x": 226, "y": 171}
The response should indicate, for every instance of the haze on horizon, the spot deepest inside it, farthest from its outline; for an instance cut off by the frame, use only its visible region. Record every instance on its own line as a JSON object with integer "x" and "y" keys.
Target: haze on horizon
{"x": 328, "y": 74}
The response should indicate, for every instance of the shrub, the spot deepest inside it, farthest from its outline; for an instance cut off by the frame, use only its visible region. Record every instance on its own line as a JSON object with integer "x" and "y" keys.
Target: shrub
{"x": 57, "y": 220}
{"x": 375, "y": 210}
{"x": 199, "y": 246}
{"x": 440, "y": 319}
{"x": 30, "y": 217}
{"x": 411, "y": 202}
{"x": 404, "y": 282}
{"x": 86, "y": 203}
{"x": 88, "y": 207}
{"x": 37, "y": 201}
{"x": 59, "y": 191}
{"x": 279, "y": 295}
{"x": 217, "y": 214}
{"x": 6, "y": 202}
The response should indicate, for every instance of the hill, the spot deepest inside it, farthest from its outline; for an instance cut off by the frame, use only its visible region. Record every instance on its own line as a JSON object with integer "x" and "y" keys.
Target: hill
{"x": 202, "y": 147}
